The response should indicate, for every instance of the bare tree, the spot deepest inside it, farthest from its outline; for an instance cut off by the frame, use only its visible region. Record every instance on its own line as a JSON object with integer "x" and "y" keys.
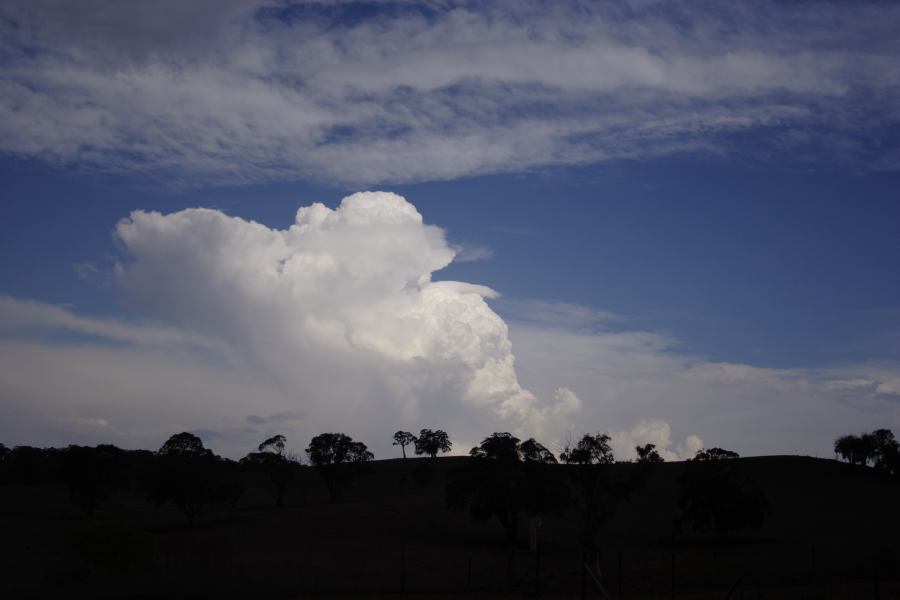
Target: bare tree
{"x": 403, "y": 439}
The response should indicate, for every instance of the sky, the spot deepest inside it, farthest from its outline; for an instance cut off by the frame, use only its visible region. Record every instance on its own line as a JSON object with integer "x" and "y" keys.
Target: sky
{"x": 676, "y": 223}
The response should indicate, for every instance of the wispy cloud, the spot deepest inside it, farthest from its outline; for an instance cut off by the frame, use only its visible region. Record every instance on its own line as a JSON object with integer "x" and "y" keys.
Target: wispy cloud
{"x": 245, "y": 91}
{"x": 626, "y": 377}
{"x": 24, "y": 316}
{"x": 472, "y": 253}
{"x": 555, "y": 314}
{"x": 279, "y": 418}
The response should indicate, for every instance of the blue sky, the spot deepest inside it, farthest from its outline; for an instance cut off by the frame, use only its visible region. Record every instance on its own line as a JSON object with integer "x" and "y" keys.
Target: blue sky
{"x": 685, "y": 190}
{"x": 779, "y": 267}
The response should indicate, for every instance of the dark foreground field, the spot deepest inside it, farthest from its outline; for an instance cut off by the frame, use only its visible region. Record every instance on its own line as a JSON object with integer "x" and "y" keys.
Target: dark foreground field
{"x": 834, "y": 533}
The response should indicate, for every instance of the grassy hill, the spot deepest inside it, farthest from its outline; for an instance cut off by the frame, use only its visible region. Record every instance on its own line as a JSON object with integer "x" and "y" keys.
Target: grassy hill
{"x": 834, "y": 532}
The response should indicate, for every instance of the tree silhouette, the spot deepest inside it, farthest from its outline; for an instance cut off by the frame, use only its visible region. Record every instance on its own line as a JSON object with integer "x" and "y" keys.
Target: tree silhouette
{"x": 184, "y": 444}
{"x": 431, "y": 442}
{"x": 847, "y": 447}
{"x": 27, "y": 464}
{"x": 884, "y": 447}
{"x": 188, "y": 475}
{"x": 532, "y": 451}
{"x": 590, "y": 449}
{"x": 597, "y": 488}
{"x": 274, "y": 444}
{"x": 91, "y": 474}
{"x": 648, "y": 454}
{"x": 272, "y": 460}
{"x": 715, "y": 496}
{"x": 338, "y": 458}
{"x": 503, "y": 480}
{"x": 715, "y": 454}
{"x": 4, "y": 452}
{"x": 403, "y": 439}
{"x": 891, "y": 460}
{"x": 878, "y": 447}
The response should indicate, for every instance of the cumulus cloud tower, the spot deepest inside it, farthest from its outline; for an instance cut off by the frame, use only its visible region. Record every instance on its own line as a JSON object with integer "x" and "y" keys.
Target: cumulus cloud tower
{"x": 340, "y": 308}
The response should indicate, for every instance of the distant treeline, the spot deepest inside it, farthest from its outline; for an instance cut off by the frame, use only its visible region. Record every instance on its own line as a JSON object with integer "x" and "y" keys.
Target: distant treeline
{"x": 504, "y": 478}
{"x": 877, "y": 448}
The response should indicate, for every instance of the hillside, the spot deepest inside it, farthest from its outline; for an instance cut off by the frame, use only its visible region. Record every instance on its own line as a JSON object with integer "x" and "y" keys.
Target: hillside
{"x": 834, "y": 532}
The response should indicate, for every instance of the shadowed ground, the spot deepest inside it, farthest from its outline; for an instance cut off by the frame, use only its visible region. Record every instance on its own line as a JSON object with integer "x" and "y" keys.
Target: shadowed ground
{"x": 834, "y": 533}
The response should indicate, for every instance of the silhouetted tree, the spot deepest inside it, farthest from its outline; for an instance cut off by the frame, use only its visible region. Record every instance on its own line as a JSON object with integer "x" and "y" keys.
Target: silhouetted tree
{"x": 91, "y": 474}
{"x": 274, "y": 444}
{"x": 597, "y": 488}
{"x": 532, "y": 451}
{"x": 272, "y": 460}
{"x": 431, "y": 442}
{"x": 27, "y": 464}
{"x": 4, "y": 452}
{"x": 648, "y": 454}
{"x": 403, "y": 439}
{"x": 883, "y": 447}
{"x": 188, "y": 475}
{"x": 847, "y": 447}
{"x": 715, "y": 496}
{"x": 503, "y": 480}
{"x": 184, "y": 444}
{"x": 878, "y": 448}
{"x": 338, "y": 458}
{"x": 590, "y": 449}
{"x": 715, "y": 454}
{"x": 891, "y": 461}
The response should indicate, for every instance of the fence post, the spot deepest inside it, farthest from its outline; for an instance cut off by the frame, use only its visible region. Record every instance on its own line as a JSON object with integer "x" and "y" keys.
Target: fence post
{"x": 619, "y": 578}
{"x": 583, "y": 575}
{"x": 402, "y": 569}
{"x": 673, "y": 566}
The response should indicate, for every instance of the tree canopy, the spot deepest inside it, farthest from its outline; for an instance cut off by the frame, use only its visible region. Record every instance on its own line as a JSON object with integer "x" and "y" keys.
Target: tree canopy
{"x": 714, "y": 495}
{"x": 648, "y": 454}
{"x": 878, "y": 448}
{"x": 431, "y": 442}
{"x": 505, "y": 478}
{"x": 715, "y": 454}
{"x": 338, "y": 458}
{"x": 274, "y": 444}
{"x": 403, "y": 439}
{"x": 590, "y": 449}
{"x": 189, "y": 475}
{"x": 184, "y": 444}
{"x": 272, "y": 460}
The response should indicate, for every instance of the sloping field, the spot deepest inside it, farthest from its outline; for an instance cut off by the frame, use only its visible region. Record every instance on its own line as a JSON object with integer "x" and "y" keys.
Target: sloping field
{"x": 834, "y": 533}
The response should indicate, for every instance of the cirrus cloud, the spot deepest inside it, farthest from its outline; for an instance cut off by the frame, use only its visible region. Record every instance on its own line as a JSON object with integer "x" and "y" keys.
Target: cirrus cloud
{"x": 247, "y": 91}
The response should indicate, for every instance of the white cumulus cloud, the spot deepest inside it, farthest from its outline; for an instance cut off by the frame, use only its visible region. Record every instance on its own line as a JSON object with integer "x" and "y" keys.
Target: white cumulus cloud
{"x": 336, "y": 324}
{"x": 657, "y": 433}
{"x": 339, "y": 311}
